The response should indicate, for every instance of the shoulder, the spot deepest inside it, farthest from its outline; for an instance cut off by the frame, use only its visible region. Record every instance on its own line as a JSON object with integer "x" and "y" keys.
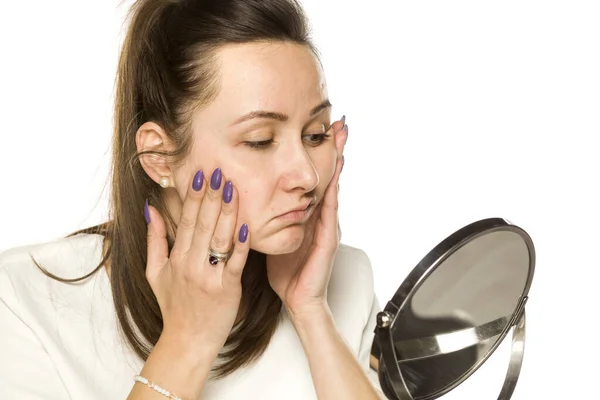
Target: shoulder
{"x": 57, "y": 256}
{"x": 70, "y": 257}
{"x": 353, "y": 265}
{"x": 351, "y": 288}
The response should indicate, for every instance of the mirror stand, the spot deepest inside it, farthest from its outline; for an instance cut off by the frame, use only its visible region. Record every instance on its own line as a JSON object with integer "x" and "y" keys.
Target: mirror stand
{"x": 516, "y": 356}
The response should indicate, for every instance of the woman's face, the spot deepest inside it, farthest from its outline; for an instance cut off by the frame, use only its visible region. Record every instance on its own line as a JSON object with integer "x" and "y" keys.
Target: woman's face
{"x": 266, "y": 131}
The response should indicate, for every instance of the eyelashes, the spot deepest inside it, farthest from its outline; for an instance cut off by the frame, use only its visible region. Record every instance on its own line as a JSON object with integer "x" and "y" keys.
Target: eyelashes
{"x": 314, "y": 140}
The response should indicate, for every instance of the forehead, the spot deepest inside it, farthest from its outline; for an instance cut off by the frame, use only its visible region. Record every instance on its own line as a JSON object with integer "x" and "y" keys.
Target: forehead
{"x": 282, "y": 76}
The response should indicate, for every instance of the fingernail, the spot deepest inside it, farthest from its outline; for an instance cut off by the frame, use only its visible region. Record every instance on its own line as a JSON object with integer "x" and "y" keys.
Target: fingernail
{"x": 343, "y": 120}
{"x": 243, "y": 233}
{"x": 228, "y": 192}
{"x": 345, "y": 128}
{"x": 198, "y": 180}
{"x": 215, "y": 180}
{"x": 342, "y": 167}
{"x": 146, "y": 212}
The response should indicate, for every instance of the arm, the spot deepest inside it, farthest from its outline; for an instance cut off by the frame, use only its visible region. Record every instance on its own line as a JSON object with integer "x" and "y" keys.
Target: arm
{"x": 364, "y": 352}
{"x": 336, "y": 372}
{"x": 173, "y": 366}
{"x": 199, "y": 301}
{"x": 301, "y": 279}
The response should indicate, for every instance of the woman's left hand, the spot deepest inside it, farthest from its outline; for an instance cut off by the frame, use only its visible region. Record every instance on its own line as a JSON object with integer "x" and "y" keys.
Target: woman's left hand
{"x": 300, "y": 278}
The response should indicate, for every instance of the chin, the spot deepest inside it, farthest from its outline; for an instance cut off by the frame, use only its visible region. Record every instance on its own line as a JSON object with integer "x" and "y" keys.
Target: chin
{"x": 284, "y": 241}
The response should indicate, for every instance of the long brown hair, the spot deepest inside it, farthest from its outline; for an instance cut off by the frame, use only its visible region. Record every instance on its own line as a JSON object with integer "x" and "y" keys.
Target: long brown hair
{"x": 166, "y": 72}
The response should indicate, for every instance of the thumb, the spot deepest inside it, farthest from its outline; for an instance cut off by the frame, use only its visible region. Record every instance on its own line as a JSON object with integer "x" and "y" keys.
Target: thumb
{"x": 158, "y": 249}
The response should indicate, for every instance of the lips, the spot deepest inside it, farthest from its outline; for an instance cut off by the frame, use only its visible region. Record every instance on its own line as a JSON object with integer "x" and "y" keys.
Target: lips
{"x": 300, "y": 208}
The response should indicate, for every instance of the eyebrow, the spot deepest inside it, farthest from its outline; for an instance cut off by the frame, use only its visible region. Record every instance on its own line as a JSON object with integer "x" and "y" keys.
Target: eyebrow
{"x": 279, "y": 116}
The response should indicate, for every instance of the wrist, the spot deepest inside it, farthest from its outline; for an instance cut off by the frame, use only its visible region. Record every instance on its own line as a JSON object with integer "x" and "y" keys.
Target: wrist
{"x": 307, "y": 316}
{"x": 178, "y": 365}
{"x": 194, "y": 351}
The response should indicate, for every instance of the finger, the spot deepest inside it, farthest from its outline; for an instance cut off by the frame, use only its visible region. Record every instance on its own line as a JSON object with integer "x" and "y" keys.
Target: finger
{"x": 338, "y": 125}
{"x": 340, "y": 130}
{"x": 189, "y": 214}
{"x": 341, "y": 137}
{"x": 158, "y": 249}
{"x": 208, "y": 215}
{"x": 234, "y": 267}
{"x": 222, "y": 239}
{"x": 332, "y": 188}
{"x": 329, "y": 209}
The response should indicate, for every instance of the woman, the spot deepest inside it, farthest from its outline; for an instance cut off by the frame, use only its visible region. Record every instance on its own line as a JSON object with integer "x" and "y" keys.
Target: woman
{"x": 220, "y": 274}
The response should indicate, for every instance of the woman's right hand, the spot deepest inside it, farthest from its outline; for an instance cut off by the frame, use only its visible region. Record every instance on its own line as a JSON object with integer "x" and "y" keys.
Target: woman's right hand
{"x": 199, "y": 302}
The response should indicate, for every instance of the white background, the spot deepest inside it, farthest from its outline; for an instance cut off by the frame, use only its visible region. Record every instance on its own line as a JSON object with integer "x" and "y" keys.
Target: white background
{"x": 458, "y": 110}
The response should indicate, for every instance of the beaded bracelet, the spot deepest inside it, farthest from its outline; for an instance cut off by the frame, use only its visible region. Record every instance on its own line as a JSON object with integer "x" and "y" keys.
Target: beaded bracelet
{"x": 154, "y": 386}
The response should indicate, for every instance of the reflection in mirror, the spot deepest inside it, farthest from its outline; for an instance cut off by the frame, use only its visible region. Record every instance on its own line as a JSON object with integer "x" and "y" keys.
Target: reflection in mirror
{"x": 455, "y": 317}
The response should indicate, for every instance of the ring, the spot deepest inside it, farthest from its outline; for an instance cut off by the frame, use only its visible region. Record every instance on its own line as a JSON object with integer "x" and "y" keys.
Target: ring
{"x": 214, "y": 256}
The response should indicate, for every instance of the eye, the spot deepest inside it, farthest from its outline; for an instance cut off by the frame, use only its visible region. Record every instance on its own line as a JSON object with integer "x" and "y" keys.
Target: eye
{"x": 259, "y": 145}
{"x": 316, "y": 139}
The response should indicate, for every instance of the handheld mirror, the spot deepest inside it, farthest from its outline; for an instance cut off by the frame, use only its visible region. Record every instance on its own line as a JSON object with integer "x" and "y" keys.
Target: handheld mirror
{"x": 453, "y": 311}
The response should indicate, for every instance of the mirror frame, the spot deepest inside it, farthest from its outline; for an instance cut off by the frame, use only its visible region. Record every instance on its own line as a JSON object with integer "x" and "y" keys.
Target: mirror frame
{"x": 383, "y": 349}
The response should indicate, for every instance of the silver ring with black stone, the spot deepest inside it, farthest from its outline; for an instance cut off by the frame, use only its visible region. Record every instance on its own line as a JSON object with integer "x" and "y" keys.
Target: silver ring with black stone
{"x": 214, "y": 256}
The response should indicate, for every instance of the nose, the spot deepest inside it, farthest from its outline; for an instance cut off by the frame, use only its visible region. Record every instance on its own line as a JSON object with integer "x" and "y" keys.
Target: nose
{"x": 297, "y": 169}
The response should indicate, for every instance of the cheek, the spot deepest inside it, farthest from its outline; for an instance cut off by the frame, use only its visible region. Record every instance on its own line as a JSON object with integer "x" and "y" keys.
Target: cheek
{"x": 252, "y": 198}
{"x": 244, "y": 202}
{"x": 183, "y": 176}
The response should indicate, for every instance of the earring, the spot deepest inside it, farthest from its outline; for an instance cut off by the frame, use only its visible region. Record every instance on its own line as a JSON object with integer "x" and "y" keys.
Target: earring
{"x": 164, "y": 181}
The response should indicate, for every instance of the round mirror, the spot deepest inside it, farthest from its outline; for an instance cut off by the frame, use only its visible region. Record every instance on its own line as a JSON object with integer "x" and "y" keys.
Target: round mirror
{"x": 453, "y": 311}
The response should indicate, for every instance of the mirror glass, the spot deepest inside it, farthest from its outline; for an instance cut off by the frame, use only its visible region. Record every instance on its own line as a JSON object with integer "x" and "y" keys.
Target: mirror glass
{"x": 458, "y": 312}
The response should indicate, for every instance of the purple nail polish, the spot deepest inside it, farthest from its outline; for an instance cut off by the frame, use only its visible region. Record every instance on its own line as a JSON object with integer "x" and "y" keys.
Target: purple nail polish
{"x": 343, "y": 120}
{"x": 243, "y": 233}
{"x": 228, "y": 192}
{"x": 345, "y": 127}
{"x": 198, "y": 180}
{"x": 146, "y": 212}
{"x": 215, "y": 179}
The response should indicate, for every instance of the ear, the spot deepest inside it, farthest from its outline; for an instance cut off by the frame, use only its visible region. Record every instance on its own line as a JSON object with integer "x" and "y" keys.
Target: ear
{"x": 150, "y": 136}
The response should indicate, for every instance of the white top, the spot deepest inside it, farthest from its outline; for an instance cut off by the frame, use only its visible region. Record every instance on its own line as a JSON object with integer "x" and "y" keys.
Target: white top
{"x": 62, "y": 341}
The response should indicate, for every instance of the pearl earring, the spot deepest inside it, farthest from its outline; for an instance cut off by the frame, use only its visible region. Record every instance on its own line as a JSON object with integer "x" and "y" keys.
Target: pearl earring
{"x": 164, "y": 181}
